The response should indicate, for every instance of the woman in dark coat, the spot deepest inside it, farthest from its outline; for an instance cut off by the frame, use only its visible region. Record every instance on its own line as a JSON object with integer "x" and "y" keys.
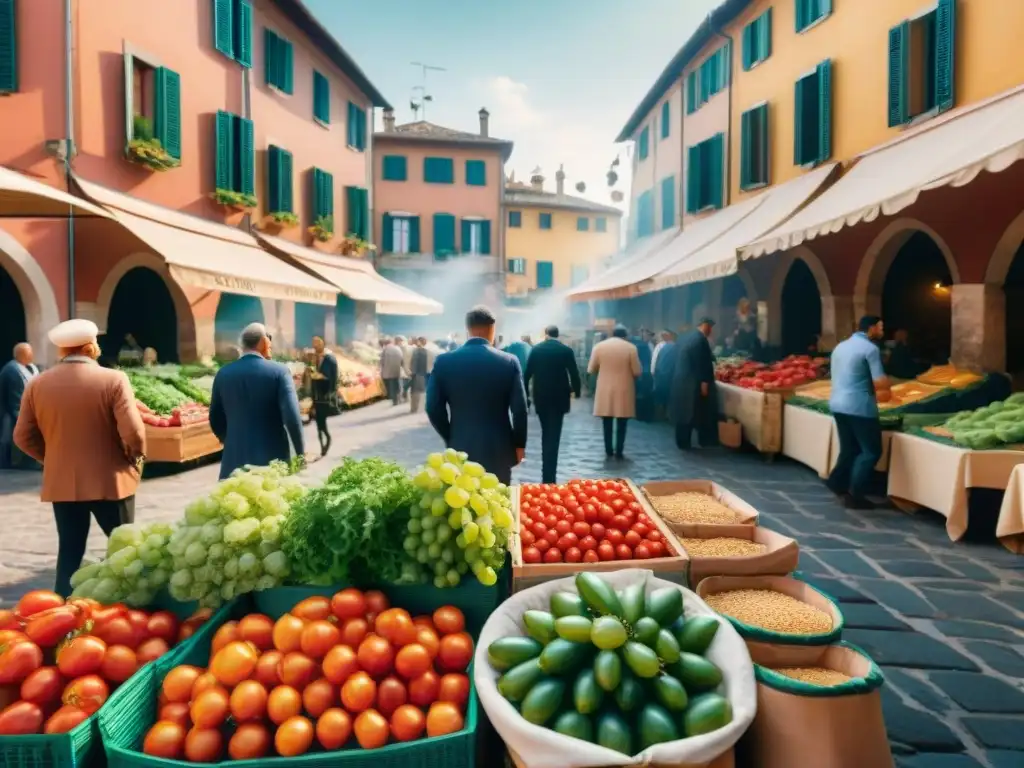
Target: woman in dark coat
{"x": 325, "y": 391}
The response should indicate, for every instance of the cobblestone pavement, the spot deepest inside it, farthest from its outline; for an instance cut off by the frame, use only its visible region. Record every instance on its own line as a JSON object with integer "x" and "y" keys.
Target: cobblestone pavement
{"x": 945, "y": 621}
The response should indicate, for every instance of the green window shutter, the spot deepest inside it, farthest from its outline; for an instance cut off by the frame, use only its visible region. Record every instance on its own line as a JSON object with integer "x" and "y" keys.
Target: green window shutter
{"x": 444, "y": 234}
{"x": 691, "y": 93}
{"x": 167, "y": 122}
{"x": 287, "y": 67}
{"x": 414, "y": 234}
{"x": 746, "y": 144}
{"x": 357, "y": 203}
{"x": 8, "y": 46}
{"x": 716, "y": 171}
{"x": 762, "y": 170}
{"x": 350, "y": 125}
{"x": 801, "y": 14}
{"x": 515, "y": 219}
{"x": 286, "y": 172}
{"x": 824, "y": 8}
{"x": 438, "y": 170}
{"x": 764, "y": 34}
{"x": 693, "y": 179}
{"x": 544, "y": 221}
{"x": 321, "y": 98}
{"x": 243, "y": 34}
{"x": 224, "y": 168}
{"x": 273, "y": 179}
{"x": 824, "y": 110}
{"x": 387, "y": 234}
{"x": 899, "y": 65}
{"x": 749, "y": 56}
{"x": 945, "y": 55}
{"x": 582, "y": 224}
{"x": 271, "y": 57}
{"x": 666, "y": 120}
{"x": 476, "y": 173}
{"x": 464, "y": 236}
{"x": 668, "y": 202}
{"x": 223, "y": 25}
{"x": 323, "y": 193}
{"x": 798, "y": 123}
{"x": 643, "y": 147}
{"x": 545, "y": 274}
{"x": 395, "y": 168}
{"x": 485, "y": 237}
{"x": 246, "y": 157}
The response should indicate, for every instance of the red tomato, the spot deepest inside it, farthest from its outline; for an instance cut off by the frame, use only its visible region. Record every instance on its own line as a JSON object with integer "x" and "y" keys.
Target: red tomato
{"x": 623, "y": 552}
{"x": 349, "y": 604}
{"x": 391, "y": 694}
{"x": 455, "y": 653}
{"x": 606, "y": 551}
{"x": 532, "y": 554}
{"x": 163, "y": 624}
{"x": 591, "y": 556}
{"x": 641, "y": 529}
{"x": 527, "y": 538}
{"x": 551, "y": 537}
{"x": 423, "y": 690}
{"x": 573, "y": 555}
{"x": 64, "y": 719}
{"x": 116, "y": 630}
{"x": 375, "y": 655}
{"x": 539, "y": 529}
{"x": 140, "y": 621}
{"x": 581, "y": 529}
{"x": 598, "y": 531}
{"x": 9, "y": 620}
{"x": 21, "y": 718}
{"x": 642, "y": 552}
{"x": 119, "y": 663}
{"x": 553, "y": 555}
{"x": 18, "y": 658}
{"x": 632, "y": 538}
{"x": 614, "y": 536}
{"x": 619, "y": 522}
{"x": 605, "y": 514}
{"x": 48, "y": 627}
{"x": 151, "y": 649}
{"x": 43, "y": 686}
{"x": 542, "y": 545}
{"x": 655, "y": 535}
{"x": 590, "y": 513}
{"x": 37, "y": 601}
{"x": 80, "y": 656}
{"x": 656, "y": 548}
{"x": 88, "y": 692}
{"x": 587, "y": 543}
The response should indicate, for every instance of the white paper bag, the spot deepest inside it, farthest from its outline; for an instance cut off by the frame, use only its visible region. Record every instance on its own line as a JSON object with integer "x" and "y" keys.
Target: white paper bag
{"x": 540, "y": 747}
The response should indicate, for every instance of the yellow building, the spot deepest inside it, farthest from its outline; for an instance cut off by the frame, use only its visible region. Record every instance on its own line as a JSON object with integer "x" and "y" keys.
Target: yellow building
{"x": 554, "y": 240}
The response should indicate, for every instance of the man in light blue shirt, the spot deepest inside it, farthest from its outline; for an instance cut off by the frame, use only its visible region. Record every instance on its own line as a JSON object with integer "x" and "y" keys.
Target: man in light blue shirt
{"x": 859, "y": 383}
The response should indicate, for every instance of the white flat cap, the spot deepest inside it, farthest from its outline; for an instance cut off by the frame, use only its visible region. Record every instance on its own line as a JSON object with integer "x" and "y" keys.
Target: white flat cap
{"x": 74, "y": 333}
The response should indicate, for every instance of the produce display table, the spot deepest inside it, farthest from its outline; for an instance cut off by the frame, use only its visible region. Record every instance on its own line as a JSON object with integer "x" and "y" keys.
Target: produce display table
{"x": 812, "y": 439}
{"x": 932, "y": 474}
{"x": 361, "y": 393}
{"x": 1010, "y": 527}
{"x": 759, "y": 413}
{"x": 176, "y": 445}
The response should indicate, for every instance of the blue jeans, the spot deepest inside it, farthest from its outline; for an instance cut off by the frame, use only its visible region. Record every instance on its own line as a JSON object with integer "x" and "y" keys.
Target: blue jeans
{"x": 860, "y": 448}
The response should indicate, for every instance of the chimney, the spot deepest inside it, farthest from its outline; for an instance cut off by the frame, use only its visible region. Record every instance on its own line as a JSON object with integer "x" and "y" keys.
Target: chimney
{"x": 389, "y": 120}
{"x": 484, "y": 114}
{"x": 560, "y": 180}
{"x": 537, "y": 180}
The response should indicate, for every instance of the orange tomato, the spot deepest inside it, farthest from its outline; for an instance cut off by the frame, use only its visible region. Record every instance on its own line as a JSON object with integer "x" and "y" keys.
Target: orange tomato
{"x": 455, "y": 652}
{"x": 210, "y": 708}
{"x": 22, "y": 718}
{"x": 412, "y": 661}
{"x": 37, "y": 601}
{"x": 423, "y": 621}
{"x": 443, "y": 717}
{"x": 424, "y": 689}
{"x": 119, "y": 663}
{"x": 178, "y": 683}
{"x": 294, "y": 736}
{"x": 185, "y": 631}
{"x": 318, "y": 637}
{"x": 376, "y": 603}
{"x": 427, "y": 637}
{"x": 455, "y": 689}
{"x": 233, "y": 663}
{"x": 318, "y": 697}
{"x": 204, "y": 682}
{"x": 371, "y": 729}
{"x": 116, "y": 630}
{"x": 42, "y": 686}
{"x": 375, "y": 655}
{"x": 296, "y": 669}
{"x": 358, "y": 692}
{"x": 64, "y": 719}
{"x": 165, "y": 739}
{"x": 152, "y": 649}
{"x": 203, "y": 745}
{"x": 176, "y": 712}
{"x": 283, "y": 702}
{"x": 287, "y": 633}
{"x": 226, "y": 633}
{"x": 348, "y": 604}
{"x": 89, "y": 693}
{"x": 333, "y": 728}
{"x": 312, "y": 608}
{"x": 339, "y": 664}
{"x": 407, "y": 723}
{"x": 448, "y": 619}
{"x": 258, "y": 630}
{"x": 266, "y": 669}
{"x": 248, "y": 701}
{"x": 81, "y": 655}
{"x": 250, "y": 741}
{"x": 391, "y": 694}
{"x": 395, "y": 625}
{"x": 354, "y": 631}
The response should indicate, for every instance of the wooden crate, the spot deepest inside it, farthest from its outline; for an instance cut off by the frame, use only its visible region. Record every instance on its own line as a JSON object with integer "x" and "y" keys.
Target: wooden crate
{"x": 526, "y": 575}
{"x": 176, "y": 445}
{"x": 759, "y": 413}
{"x": 726, "y": 760}
{"x": 747, "y": 514}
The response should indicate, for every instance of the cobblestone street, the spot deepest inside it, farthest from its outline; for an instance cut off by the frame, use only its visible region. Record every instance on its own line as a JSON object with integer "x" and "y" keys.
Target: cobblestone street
{"x": 945, "y": 621}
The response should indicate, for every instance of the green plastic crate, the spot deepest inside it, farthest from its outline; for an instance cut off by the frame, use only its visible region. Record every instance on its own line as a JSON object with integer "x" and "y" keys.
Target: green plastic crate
{"x": 131, "y": 710}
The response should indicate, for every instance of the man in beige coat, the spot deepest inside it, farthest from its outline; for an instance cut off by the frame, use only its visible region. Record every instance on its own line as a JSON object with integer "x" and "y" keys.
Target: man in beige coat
{"x": 81, "y": 423}
{"x": 617, "y": 365}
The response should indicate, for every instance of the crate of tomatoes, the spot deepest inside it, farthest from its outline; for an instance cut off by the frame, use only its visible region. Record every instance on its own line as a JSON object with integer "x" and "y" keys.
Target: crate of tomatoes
{"x": 589, "y": 525}
{"x": 348, "y": 678}
{"x": 59, "y": 662}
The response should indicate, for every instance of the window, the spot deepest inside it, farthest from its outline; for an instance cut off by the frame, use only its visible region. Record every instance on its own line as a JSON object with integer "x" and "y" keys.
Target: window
{"x": 278, "y": 62}
{"x": 517, "y": 266}
{"x": 754, "y": 147}
{"x": 476, "y": 237}
{"x": 582, "y": 224}
{"x": 232, "y": 29}
{"x": 545, "y": 274}
{"x": 321, "y": 98}
{"x": 645, "y": 214}
{"x": 544, "y": 221}
{"x": 8, "y": 47}
{"x": 600, "y": 224}
{"x": 401, "y": 234}
{"x": 812, "y": 126}
{"x": 643, "y": 144}
{"x": 279, "y": 181}
{"x": 152, "y": 104}
{"x": 395, "y": 168}
{"x": 356, "y": 127}
{"x": 704, "y": 174}
{"x": 515, "y": 219}
{"x": 322, "y": 196}
{"x": 666, "y": 120}
{"x": 668, "y": 202}
{"x": 358, "y": 201}
{"x": 444, "y": 235}
{"x": 921, "y": 64}
{"x": 438, "y": 170}
{"x": 580, "y": 272}
{"x": 810, "y": 12}
{"x": 143, "y": 101}
{"x": 711, "y": 77}
{"x": 757, "y": 40}
{"x": 476, "y": 173}
{"x": 236, "y": 160}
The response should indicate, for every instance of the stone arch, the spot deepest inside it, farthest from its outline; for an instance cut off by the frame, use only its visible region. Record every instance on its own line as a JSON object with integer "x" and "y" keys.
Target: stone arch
{"x": 41, "y": 309}
{"x": 1006, "y": 249}
{"x": 810, "y": 258}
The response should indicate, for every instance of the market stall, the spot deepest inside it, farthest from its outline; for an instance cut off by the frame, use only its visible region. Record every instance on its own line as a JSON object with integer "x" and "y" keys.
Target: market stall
{"x": 174, "y": 403}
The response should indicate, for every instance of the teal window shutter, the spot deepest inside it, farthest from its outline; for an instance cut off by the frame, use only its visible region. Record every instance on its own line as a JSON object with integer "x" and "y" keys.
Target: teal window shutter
{"x": 644, "y": 146}
{"x": 167, "y": 120}
{"x": 544, "y": 221}
{"x": 395, "y": 168}
{"x": 764, "y": 33}
{"x": 716, "y": 170}
{"x": 224, "y": 168}
{"x": 798, "y": 123}
{"x": 724, "y": 66}
{"x": 273, "y": 179}
{"x": 693, "y": 179}
{"x": 545, "y": 274}
{"x": 271, "y": 57}
{"x": 691, "y": 93}
{"x": 899, "y": 68}
{"x": 666, "y": 120}
{"x": 242, "y": 44}
{"x": 465, "y": 235}
{"x": 801, "y": 14}
{"x": 582, "y": 224}
{"x": 8, "y": 46}
{"x": 246, "y": 157}
{"x": 824, "y": 110}
{"x": 321, "y": 98}
{"x": 323, "y": 193}
{"x": 746, "y": 141}
{"x": 286, "y": 171}
{"x": 357, "y": 202}
{"x": 749, "y": 54}
{"x": 668, "y": 202}
{"x": 515, "y": 219}
{"x": 351, "y": 128}
{"x": 438, "y": 170}
{"x": 945, "y": 55}
{"x": 601, "y": 224}
{"x": 485, "y": 237}
{"x": 360, "y": 128}
{"x": 387, "y": 234}
{"x": 476, "y": 173}
{"x": 414, "y": 234}
{"x": 288, "y": 67}
{"x": 223, "y": 26}
{"x": 444, "y": 234}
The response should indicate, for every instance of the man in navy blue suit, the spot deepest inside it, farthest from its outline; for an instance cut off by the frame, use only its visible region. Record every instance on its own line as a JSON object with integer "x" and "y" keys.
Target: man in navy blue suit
{"x": 476, "y": 401}
{"x": 254, "y": 410}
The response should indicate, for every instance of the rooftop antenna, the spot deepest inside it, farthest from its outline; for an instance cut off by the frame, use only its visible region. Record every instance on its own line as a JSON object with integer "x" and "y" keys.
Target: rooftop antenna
{"x": 420, "y": 91}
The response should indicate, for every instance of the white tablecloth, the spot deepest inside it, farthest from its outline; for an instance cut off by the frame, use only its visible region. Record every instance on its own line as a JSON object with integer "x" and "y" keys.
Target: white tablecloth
{"x": 812, "y": 439}
{"x": 1010, "y": 526}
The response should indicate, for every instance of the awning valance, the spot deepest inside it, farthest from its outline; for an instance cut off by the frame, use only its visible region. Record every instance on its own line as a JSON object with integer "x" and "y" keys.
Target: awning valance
{"x": 357, "y": 279}
{"x": 22, "y": 197}
{"x": 209, "y": 255}
{"x": 595, "y": 286}
{"x": 950, "y": 150}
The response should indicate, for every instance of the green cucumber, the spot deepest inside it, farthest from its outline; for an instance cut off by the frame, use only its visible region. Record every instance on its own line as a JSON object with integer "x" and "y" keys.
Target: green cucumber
{"x": 608, "y": 633}
{"x": 630, "y": 694}
{"x": 707, "y": 713}
{"x": 696, "y": 633}
{"x": 695, "y": 671}
{"x": 670, "y": 692}
{"x": 666, "y": 647}
{"x": 587, "y": 695}
{"x": 507, "y": 652}
{"x": 543, "y": 701}
{"x": 632, "y": 600}
{"x": 608, "y": 670}
{"x": 613, "y": 733}
{"x": 597, "y": 594}
{"x": 575, "y": 725}
{"x": 664, "y": 605}
{"x": 641, "y": 659}
{"x": 561, "y": 656}
{"x": 517, "y": 682}
{"x": 646, "y": 631}
{"x": 575, "y": 628}
{"x": 655, "y": 726}
{"x": 568, "y": 604}
{"x": 540, "y": 625}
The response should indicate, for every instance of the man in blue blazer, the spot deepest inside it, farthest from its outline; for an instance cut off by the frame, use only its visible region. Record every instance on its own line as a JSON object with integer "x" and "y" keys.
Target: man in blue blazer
{"x": 476, "y": 401}
{"x": 254, "y": 410}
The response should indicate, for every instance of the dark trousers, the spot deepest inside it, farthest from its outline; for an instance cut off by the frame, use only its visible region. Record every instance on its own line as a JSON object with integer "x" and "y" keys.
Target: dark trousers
{"x": 620, "y": 435}
{"x": 550, "y": 439}
{"x": 72, "y": 518}
{"x": 684, "y": 435}
{"x": 394, "y": 389}
{"x": 320, "y": 413}
{"x": 860, "y": 448}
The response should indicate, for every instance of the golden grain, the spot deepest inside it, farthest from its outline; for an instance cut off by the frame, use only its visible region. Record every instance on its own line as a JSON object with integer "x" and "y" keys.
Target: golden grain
{"x": 814, "y": 675}
{"x": 723, "y": 546}
{"x": 694, "y": 507}
{"x": 771, "y": 610}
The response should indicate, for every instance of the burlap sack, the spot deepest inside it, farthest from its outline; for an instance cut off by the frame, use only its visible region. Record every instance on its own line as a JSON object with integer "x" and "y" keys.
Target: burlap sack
{"x": 798, "y": 724}
{"x": 780, "y": 559}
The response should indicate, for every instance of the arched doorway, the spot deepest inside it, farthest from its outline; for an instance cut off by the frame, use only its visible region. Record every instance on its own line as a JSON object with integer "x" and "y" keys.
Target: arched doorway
{"x": 801, "y": 309}
{"x": 141, "y": 305}
{"x": 310, "y": 321}
{"x": 234, "y": 312}
{"x": 28, "y": 306}
{"x": 13, "y": 328}
{"x": 1013, "y": 288}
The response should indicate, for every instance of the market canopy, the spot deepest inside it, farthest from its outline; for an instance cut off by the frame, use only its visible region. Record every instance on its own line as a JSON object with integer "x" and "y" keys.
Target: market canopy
{"x": 357, "y": 279}
{"x": 22, "y": 197}
{"x": 595, "y": 287}
{"x": 947, "y": 151}
{"x": 205, "y": 254}
{"x": 719, "y": 258}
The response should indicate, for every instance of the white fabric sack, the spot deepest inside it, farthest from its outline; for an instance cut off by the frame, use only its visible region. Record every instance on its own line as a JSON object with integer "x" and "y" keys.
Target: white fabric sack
{"x": 540, "y": 747}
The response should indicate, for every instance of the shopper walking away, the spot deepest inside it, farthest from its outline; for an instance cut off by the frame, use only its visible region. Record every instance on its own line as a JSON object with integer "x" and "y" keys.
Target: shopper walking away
{"x": 616, "y": 364}
{"x": 407, "y": 348}
{"x": 81, "y": 423}
{"x": 254, "y": 409}
{"x": 859, "y": 383}
{"x": 14, "y": 378}
{"x": 693, "y": 380}
{"x": 663, "y": 363}
{"x": 519, "y": 349}
{"x": 644, "y": 384}
{"x": 476, "y": 401}
{"x": 391, "y": 370}
{"x": 325, "y": 391}
{"x": 418, "y": 374}
{"x": 556, "y": 377}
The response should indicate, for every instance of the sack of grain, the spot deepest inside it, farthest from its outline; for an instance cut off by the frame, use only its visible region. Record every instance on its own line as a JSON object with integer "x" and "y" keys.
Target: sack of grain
{"x": 737, "y": 550}
{"x": 823, "y": 701}
{"x": 698, "y": 502}
{"x": 774, "y": 609}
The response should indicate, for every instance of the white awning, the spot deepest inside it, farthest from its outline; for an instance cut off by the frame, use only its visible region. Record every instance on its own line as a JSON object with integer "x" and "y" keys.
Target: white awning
{"x": 950, "y": 150}
{"x": 719, "y": 257}
{"x": 357, "y": 279}
{"x": 22, "y": 197}
{"x": 209, "y": 255}
{"x": 593, "y": 287}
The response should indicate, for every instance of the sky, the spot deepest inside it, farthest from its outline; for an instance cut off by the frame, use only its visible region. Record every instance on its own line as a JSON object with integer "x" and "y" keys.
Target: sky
{"x": 559, "y": 77}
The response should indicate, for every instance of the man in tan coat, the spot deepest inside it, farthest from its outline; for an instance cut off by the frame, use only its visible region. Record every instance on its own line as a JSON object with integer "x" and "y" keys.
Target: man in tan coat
{"x": 81, "y": 423}
{"x": 617, "y": 365}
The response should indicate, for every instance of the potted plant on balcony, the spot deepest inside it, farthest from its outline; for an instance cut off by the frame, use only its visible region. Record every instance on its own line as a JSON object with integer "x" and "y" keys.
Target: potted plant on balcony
{"x": 322, "y": 229}
{"x": 353, "y": 245}
{"x": 146, "y": 150}
{"x": 239, "y": 200}
{"x": 277, "y": 221}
